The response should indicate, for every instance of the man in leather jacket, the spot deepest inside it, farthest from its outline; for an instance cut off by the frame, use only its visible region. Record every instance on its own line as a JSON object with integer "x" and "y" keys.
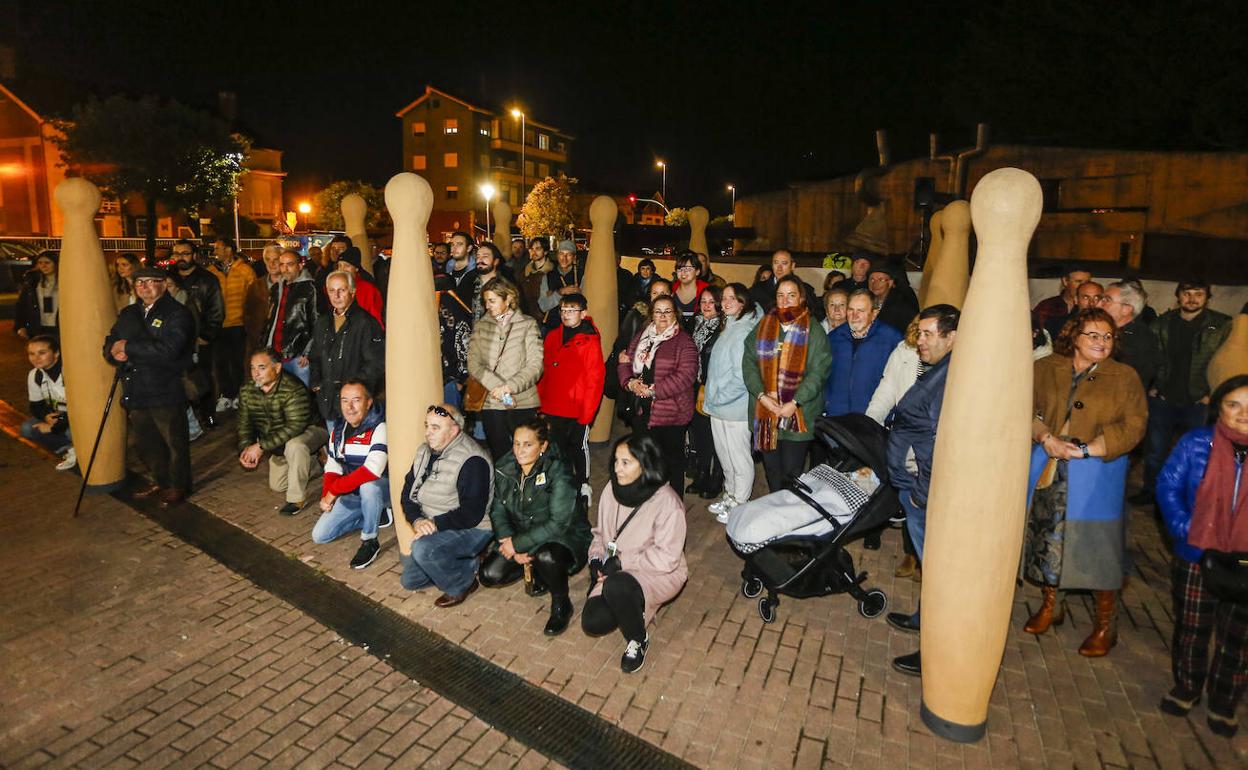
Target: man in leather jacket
{"x": 292, "y": 315}
{"x": 207, "y": 306}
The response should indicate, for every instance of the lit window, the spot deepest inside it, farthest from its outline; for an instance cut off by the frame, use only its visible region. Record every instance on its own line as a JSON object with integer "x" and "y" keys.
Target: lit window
{"x": 543, "y": 142}
{"x": 452, "y": 193}
{"x": 451, "y": 126}
{"x": 484, "y": 129}
{"x": 450, "y": 160}
{"x": 418, "y": 162}
{"x": 418, "y": 129}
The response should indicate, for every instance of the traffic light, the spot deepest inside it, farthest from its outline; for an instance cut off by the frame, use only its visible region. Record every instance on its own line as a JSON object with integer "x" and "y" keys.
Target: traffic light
{"x": 632, "y": 199}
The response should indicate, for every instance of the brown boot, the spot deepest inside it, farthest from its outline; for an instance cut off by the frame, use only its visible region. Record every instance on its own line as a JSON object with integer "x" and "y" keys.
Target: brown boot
{"x": 907, "y": 567}
{"x": 1049, "y": 614}
{"x": 1104, "y": 634}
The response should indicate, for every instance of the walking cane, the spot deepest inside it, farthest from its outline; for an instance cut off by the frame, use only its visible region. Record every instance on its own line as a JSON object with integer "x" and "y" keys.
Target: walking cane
{"x": 108, "y": 405}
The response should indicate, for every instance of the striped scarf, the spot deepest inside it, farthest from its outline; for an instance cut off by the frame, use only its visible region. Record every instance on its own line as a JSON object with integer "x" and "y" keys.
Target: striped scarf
{"x": 782, "y": 364}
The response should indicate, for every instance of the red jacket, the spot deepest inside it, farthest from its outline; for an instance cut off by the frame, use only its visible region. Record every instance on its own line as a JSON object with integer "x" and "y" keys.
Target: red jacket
{"x": 368, "y": 297}
{"x": 572, "y": 373}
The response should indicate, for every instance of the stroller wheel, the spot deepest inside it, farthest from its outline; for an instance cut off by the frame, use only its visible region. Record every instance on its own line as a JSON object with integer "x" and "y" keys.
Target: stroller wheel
{"x": 751, "y": 587}
{"x": 767, "y": 609}
{"x": 873, "y": 604}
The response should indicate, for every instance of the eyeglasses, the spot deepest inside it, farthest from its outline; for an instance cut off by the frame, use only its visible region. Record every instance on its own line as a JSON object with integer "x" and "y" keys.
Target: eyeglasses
{"x": 665, "y": 312}
{"x": 683, "y": 268}
{"x": 1094, "y": 336}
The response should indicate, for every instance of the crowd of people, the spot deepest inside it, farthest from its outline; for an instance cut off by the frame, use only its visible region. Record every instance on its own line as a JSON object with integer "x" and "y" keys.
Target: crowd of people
{"x": 709, "y": 377}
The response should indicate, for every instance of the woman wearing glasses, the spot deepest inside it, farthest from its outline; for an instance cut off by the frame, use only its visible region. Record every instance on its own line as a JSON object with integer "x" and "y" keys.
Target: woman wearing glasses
{"x": 1090, "y": 411}
{"x": 658, "y": 369}
{"x": 687, "y": 288}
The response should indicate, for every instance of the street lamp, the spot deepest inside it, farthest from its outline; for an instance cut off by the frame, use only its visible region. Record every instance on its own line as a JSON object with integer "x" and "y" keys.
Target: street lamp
{"x": 304, "y": 208}
{"x": 733, "y": 189}
{"x": 487, "y": 190}
{"x": 661, "y": 165}
{"x": 515, "y": 113}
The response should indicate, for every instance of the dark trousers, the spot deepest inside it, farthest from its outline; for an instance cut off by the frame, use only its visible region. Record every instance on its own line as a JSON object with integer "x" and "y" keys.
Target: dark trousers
{"x": 706, "y": 467}
{"x": 671, "y": 441}
{"x": 164, "y": 445}
{"x": 551, "y": 564}
{"x": 499, "y": 424}
{"x": 1164, "y": 421}
{"x": 206, "y": 403}
{"x": 572, "y": 439}
{"x": 622, "y": 605}
{"x": 786, "y": 461}
{"x": 1200, "y": 617}
{"x": 228, "y": 351}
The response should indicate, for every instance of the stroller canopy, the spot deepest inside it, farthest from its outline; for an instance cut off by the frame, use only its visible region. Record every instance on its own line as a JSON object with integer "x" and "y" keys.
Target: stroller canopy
{"x": 863, "y": 438}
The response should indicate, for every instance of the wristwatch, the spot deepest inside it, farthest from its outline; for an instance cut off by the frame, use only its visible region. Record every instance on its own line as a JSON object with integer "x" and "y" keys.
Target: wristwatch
{"x": 1084, "y": 448}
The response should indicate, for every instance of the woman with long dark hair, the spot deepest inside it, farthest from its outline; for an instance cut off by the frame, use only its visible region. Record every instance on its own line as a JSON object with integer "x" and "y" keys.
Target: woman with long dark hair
{"x": 637, "y": 556}
{"x": 1202, "y": 492}
{"x": 708, "y": 476}
{"x": 38, "y": 309}
{"x": 687, "y": 288}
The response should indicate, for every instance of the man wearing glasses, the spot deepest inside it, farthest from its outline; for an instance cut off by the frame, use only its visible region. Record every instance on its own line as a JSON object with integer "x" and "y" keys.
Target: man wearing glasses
{"x": 207, "y": 306}
{"x": 152, "y": 342}
{"x": 1138, "y": 348}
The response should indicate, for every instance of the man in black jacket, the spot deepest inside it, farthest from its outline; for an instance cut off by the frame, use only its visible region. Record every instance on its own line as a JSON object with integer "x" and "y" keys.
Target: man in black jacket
{"x": 152, "y": 341}
{"x": 207, "y": 306}
{"x": 1139, "y": 349}
{"x": 764, "y": 292}
{"x": 292, "y": 315}
{"x": 897, "y": 303}
{"x": 347, "y": 344}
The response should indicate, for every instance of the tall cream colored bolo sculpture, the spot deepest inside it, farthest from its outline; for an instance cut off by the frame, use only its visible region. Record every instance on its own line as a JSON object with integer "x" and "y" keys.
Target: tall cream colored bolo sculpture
{"x": 600, "y": 290}
{"x": 354, "y": 216}
{"x": 87, "y": 315}
{"x": 977, "y": 501}
{"x": 952, "y": 272}
{"x": 413, "y": 352}
{"x": 502, "y": 227}
{"x": 1231, "y": 357}
{"x": 933, "y": 255}
{"x": 698, "y": 217}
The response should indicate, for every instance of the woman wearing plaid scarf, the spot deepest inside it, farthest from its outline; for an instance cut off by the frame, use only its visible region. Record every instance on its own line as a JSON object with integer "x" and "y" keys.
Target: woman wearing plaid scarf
{"x": 785, "y": 364}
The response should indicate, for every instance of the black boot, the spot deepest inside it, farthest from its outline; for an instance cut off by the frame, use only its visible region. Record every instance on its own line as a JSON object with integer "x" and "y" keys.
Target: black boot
{"x": 560, "y": 614}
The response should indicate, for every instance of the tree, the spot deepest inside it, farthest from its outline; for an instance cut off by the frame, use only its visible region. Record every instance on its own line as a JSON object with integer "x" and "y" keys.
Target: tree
{"x": 163, "y": 151}
{"x": 677, "y": 217}
{"x": 548, "y": 209}
{"x": 327, "y": 205}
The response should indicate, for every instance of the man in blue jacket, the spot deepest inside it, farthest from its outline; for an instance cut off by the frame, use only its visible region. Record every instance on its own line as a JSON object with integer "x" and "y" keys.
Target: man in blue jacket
{"x": 860, "y": 349}
{"x": 914, "y": 431}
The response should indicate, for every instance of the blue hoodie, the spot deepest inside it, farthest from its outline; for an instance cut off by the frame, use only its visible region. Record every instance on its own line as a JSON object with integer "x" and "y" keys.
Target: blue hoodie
{"x": 726, "y": 396}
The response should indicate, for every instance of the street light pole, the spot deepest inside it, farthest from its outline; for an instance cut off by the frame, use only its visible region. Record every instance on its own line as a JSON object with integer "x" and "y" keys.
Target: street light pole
{"x": 733, "y": 189}
{"x": 663, "y": 166}
{"x": 488, "y": 191}
{"x": 524, "y": 182}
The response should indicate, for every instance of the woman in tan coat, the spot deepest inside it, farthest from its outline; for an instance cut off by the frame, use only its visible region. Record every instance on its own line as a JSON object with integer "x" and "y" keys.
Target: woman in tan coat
{"x": 1090, "y": 410}
{"x": 505, "y": 355}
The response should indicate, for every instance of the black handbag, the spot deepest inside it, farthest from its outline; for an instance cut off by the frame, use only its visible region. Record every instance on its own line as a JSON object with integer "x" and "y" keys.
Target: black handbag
{"x": 1226, "y": 574}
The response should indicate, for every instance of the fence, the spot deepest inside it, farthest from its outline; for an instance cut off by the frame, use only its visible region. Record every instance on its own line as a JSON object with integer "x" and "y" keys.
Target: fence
{"x": 128, "y": 244}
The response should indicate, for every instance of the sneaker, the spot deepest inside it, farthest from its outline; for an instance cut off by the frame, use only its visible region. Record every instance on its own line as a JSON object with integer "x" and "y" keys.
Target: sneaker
{"x": 387, "y": 518}
{"x": 223, "y": 403}
{"x": 196, "y": 432}
{"x": 70, "y": 460}
{"x": 290, "y": 509}
{"x": 634, "y": 656}
{"x": 367, "y": 553}
{"x": 719, "y": 505}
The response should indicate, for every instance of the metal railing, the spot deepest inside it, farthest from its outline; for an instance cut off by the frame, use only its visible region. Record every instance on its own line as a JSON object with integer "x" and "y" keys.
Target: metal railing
{"x": 126, "y": 244}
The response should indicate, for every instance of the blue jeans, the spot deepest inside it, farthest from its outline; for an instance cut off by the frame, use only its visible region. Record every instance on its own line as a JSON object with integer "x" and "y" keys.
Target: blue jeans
{"x": 916, "y": 521}
{"x": 450, "y": 393}
{"x": 53, "y": 442}
{"x": 359, "y": 510}
{"x": 304, "y": 373}
{"x": 446, "y": 559}
{"x": 1164, "y": 419}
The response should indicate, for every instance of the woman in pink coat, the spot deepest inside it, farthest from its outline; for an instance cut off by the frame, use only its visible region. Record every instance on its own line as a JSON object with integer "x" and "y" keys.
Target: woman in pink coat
{"x": 637, "y": 557}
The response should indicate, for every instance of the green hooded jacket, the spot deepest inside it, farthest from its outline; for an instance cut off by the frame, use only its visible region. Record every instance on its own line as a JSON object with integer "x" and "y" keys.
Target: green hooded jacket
{"x": 541, "y": 508}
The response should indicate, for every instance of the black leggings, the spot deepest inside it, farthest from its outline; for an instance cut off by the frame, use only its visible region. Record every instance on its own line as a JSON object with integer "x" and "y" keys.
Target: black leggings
{"x": 622, "y": 605}
{"x": 551, "y": 562}
{"x": 499, "y": 424}
{"x": 786, "y": 461}
{"x": 671, "y": 441}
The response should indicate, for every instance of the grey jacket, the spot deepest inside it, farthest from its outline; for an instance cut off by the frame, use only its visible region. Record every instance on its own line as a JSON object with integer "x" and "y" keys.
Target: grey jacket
{"x": 517, "y": 365}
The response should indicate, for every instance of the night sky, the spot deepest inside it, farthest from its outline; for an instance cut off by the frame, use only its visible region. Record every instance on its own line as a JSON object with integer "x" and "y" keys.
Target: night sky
{"x": 752, "y": 94}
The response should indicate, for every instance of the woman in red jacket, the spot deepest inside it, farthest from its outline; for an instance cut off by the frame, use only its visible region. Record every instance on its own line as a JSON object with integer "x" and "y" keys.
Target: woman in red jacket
{"x": 658, "y": 370}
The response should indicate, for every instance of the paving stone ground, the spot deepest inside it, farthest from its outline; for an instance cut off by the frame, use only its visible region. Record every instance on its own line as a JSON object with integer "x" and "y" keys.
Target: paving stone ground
{"x": 815, "y": 689}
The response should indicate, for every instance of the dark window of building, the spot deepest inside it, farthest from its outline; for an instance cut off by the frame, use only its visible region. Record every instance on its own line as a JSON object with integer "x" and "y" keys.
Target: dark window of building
{"x": 452, "y": 193}
{"x": 1052, "y": 189}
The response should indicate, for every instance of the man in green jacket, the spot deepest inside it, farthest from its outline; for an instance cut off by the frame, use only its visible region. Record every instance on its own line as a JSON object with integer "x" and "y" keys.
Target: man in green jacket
{"x": 275, "y": 418}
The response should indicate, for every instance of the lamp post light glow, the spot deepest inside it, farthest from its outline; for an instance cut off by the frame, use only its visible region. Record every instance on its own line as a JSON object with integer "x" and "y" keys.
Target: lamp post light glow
{"x": 663, "y": 166}
{"x": 733, "y": 189}
{"x": 515, "y": 113}
{"x": 487, "y": 191}
{"x": 304, "y": 208}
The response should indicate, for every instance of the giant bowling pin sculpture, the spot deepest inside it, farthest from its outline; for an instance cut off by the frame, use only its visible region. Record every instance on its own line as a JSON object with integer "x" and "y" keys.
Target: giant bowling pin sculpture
{"x": 1231, "y": 357}
{"x": 502, "y": 227}
{"x": 977, "y": 501}
{"x": 698, "y": 217}
{"x": 951, "y": 273}
{"x": 354, "y": 216}
{"x": 413, "y": 352}
{"x": 601, "y": 292}
{"x": 933, "y": 255}
{"x": 87, "y": 315}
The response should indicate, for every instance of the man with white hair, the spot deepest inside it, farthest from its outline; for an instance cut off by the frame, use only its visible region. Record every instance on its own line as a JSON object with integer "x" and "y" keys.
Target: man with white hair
{"x": 1125, "y": 301}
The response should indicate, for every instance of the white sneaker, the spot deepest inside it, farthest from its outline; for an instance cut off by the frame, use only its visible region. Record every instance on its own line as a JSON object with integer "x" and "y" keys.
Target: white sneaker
{"x": 721, "y": 504}
{"x": 722, "y": 516}
{"x": 70, "y": 460}
{"x": 223, "y": 403}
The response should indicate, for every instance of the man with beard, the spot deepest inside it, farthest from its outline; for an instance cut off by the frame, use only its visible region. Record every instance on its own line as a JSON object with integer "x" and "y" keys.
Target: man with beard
{"x": 292, "y": 316}
{"x": 533, "y": 281}
{"x": 207, "y": 306}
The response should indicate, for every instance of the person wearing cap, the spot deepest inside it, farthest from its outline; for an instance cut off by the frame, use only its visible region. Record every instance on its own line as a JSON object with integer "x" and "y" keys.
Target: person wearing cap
{"x": 235, "y": 277}
{"x": 446, "y": 495}
{"x": 367, "y": 295}
{"x": 764, "y": 292}
{"x": 858, "y": 271}
{"x": 152, "y": 341}
{"x": 564, "y": 280}
{"x": 896, "y": 300}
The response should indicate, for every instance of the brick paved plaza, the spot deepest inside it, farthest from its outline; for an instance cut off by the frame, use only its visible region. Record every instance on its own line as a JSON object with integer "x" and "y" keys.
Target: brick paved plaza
{"x": 124, "y": 646}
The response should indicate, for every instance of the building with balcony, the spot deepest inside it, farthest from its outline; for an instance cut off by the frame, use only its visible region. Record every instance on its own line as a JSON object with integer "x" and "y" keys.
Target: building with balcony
{"x": 458, "y": 147}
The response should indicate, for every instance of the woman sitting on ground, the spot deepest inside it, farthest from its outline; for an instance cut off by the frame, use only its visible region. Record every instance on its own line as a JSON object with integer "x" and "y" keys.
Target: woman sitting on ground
{"x": 1196, "y": 494}
{"x": 637, "y": 557}
{"x": 540, "y": 526}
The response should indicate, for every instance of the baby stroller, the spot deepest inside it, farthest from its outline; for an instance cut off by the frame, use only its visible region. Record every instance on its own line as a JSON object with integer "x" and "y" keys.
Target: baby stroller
{"x": 810, "y": 522}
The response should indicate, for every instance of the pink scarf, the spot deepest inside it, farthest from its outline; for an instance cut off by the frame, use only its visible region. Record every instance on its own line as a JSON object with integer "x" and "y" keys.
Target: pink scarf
{"x": 643, "y": 356}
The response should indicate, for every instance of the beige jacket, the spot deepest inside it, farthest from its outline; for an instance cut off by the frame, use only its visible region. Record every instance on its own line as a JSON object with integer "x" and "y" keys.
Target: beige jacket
{"x": 518, "y": 365}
